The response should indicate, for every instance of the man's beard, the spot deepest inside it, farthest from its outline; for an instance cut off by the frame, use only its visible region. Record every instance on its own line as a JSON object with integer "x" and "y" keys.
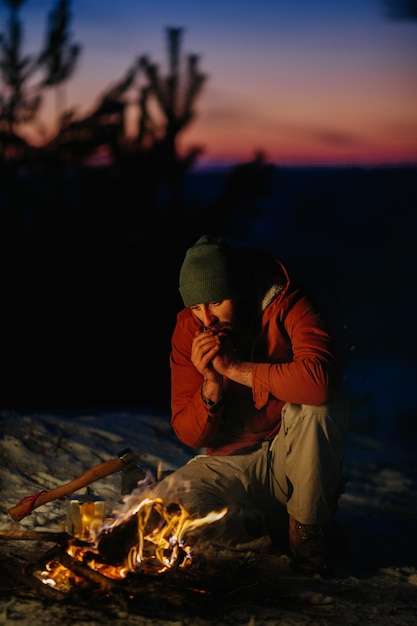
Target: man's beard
{"x": 241, "y": 325}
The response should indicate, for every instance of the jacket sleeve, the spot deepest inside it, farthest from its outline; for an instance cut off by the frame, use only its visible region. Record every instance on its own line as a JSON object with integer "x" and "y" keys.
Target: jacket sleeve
{"x": 191, "y": 420}
{"x": 311, "y": 375}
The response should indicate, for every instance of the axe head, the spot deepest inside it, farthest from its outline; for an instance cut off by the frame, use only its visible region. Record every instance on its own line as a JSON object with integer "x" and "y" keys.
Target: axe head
{"x": 132, "y": 472}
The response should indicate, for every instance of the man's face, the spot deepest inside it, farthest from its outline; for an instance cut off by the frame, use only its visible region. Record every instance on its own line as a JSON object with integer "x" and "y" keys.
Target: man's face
{"x": 217, "y": 315}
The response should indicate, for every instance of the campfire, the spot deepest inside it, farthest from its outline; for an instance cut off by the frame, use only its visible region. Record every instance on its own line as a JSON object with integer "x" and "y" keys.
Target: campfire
{"x": 142, "y": 558}
{"x": 145, "y": 537}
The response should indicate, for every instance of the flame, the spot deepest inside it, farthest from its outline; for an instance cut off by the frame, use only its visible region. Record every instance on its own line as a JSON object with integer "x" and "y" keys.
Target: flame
{"x": 58, "y": 576}
{"x": 161, "y": 541}
{"x": 164, "y": 542}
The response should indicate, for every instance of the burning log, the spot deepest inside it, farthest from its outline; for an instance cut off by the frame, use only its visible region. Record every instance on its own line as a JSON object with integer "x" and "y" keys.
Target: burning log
{"x": 114, "y": 544}
{"x": 84, "y": 571}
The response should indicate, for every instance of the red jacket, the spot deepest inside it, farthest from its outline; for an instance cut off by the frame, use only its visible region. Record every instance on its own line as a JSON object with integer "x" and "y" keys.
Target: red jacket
{"x": 295, "y": 362}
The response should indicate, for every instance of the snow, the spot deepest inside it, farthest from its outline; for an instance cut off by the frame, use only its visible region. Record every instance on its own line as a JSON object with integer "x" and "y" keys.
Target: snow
{"x": 376, "y": 583}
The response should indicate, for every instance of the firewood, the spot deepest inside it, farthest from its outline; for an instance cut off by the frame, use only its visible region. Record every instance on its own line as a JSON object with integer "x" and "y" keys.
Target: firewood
{"x": 84, "y": 571}
{"x": 34, "y": 535}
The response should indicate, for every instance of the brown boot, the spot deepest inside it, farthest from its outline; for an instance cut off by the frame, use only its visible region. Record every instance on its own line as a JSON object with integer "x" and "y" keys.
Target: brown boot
{"x": 309, "y": 548}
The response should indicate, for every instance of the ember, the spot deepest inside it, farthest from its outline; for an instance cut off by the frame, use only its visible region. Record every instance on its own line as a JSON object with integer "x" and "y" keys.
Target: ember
{"x": 58, "y": 576}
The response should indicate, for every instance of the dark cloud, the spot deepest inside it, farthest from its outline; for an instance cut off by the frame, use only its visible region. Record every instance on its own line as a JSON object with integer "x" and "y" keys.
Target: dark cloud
{"x": 325, "y": 136}
{"x": 400, "y": 9}
{"x": 336, "y": 138}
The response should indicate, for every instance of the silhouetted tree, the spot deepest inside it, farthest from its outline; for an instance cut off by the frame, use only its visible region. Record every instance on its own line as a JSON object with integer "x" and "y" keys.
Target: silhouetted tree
{"x": 175, "y": 96}
{"x": 246, "y": 184}
{"x": 17, "y": 105}
{"x": 105, "y": 126}
{"x": 21, "y": 97}
{"x": 59, "y": 56}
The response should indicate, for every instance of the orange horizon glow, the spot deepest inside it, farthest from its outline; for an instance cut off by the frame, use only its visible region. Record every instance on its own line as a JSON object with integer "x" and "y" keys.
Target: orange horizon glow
{"x": 288, "y": 146}
{"x": 304, "y": 84}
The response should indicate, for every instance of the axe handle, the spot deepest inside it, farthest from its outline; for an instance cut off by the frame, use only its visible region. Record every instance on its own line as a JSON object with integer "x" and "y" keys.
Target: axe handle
{"x": 101, "y": 470}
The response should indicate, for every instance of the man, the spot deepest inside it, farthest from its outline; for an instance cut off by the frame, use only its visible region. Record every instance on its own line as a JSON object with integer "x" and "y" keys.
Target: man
{"x": 255, "y": 381}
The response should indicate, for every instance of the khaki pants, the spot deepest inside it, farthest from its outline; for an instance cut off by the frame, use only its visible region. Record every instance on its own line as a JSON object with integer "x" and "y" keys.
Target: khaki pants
{"x": 299, "y": 473}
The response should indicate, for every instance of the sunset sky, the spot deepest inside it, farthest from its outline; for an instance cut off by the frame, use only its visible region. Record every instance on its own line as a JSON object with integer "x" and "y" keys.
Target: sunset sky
{"x": 305, "y": 81}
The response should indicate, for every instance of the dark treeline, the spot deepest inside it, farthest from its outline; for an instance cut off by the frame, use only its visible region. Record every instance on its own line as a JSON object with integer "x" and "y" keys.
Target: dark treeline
{"x": 90, "y": 253}
{"x": 89, "y": 268}
{"x": 90, "y": 283}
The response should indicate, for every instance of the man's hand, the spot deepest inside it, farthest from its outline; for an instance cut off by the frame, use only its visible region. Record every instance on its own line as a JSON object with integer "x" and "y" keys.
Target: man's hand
{"x": 225, "y": 356}
{"x": 227, "y": 364}
{"x": 213, "y": 355}
{"x": 206, "y": 344}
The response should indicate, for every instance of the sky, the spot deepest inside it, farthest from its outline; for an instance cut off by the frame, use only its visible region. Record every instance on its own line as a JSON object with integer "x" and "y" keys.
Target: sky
{"x": 305, "y": 82}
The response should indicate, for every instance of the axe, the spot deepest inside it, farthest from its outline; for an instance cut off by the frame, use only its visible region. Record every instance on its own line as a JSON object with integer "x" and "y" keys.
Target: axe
{"x": 125, "y": 461}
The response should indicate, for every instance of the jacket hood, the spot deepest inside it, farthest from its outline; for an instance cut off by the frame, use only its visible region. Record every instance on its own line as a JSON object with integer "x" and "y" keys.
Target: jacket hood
{"x": 267, "y": 276}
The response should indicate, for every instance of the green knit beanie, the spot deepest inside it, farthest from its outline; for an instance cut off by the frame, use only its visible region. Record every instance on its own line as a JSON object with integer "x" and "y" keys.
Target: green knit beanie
{"x": 209, "y": 272}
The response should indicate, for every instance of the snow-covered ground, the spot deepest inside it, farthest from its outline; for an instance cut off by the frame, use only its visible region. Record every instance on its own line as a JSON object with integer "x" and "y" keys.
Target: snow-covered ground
{"x": 377, "y": 583}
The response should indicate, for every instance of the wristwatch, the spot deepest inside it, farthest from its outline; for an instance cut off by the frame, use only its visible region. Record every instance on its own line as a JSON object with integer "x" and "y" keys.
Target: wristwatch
{"x": 212, "y": 406}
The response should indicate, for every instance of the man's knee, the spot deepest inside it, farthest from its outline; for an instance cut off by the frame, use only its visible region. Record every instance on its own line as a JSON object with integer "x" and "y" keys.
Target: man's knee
{"x": 336, "y": 410}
